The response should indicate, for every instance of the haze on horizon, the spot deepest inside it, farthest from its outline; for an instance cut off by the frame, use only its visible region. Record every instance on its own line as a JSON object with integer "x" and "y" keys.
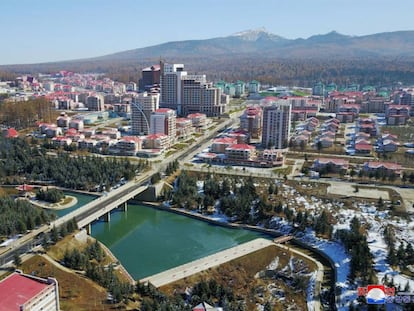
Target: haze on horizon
{"x": 49, "y": 30}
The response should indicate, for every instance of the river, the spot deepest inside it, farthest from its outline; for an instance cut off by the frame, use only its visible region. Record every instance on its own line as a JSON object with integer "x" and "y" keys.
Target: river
{"x": 82, "y": 200}
{"x": 148, "y": 241}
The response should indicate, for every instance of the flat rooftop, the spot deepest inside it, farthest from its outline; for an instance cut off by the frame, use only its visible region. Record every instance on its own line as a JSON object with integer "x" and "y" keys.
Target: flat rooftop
{"x": 17, "y": 289}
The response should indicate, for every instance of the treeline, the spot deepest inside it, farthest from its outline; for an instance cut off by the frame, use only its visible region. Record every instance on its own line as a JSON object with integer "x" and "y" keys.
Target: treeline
{"x": 90, "y": 260}
{"x": 355, "y": 242}
{"x": 18, "y": 216}
{"x": 21, "y": 161}
{"x": 205, "y": 291}
{"x": 238, "y": 199}
{"x": 268, "y": 69}
{"x": 25, "y": 114}
{"x": 402, "y": 256}
{"x": 50, "y": 195}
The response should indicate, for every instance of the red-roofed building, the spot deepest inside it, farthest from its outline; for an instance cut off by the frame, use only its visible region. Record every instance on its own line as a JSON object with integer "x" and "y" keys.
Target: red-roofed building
{"x": 363, "y": 147}
{"x": 397, "y": 114}
{"x": 128, "y": 145}
{"x": 61, "y": 141}
{"x": 240, "y": 152}
{"x": 386, "y": 167}
{"x": 156, "y": 141}
{"x": 10, "y": 133}
{"x": 220, "y": 144}
{"x": 199, "y": 120}
{"x": 20, "y": 292}
{"x": 204, "y": 306}
{"x": 333, "y": 165}
{"x": 184, "y": 128}
{"x": 251, "y": 121}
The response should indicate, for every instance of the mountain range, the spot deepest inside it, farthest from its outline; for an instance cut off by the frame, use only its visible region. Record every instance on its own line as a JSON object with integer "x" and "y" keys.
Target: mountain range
{"x": 260, "y": 42}
{"x": 258, "y": 54}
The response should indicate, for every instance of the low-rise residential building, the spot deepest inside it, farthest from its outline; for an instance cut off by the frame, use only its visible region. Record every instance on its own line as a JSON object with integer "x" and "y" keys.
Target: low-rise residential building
{"x": 10, "y": 133}
{"x": 270, "y": 158}
{"x": 77, "y": 124}
{"x": 330, "y": 165}
{"x": 389, "y": 145}
{"x": 61, "y": 141}
{"x": 184, "y": 128}
{"x": 240, "y": 152}
{"x": 199, "y": 121}
{"x": 363, "y": 147}
{"x": 156, "y": 141}
{"x": 112, "y": 133}
{"x": 251, "y": 121}
{"x": 128, "y": 145}
{"x": 386, "y": 168}
{"x": 63, "y": 120}
{"x": 368, "y": 125}
{"x": 87, "y": 144}
{"x": 220, "y": 144}
{"x": 397, "y": 114}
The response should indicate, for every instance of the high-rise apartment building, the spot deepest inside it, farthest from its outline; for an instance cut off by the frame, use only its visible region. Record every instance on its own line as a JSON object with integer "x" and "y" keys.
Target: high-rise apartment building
{"x": 163, "y": 121}
{"x": 189, "y": 93}
{"x": 142, "y": 107}
{"x": 276, "y": 125}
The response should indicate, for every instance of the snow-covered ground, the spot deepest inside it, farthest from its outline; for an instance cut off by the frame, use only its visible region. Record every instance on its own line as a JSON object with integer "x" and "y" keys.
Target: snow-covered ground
{"x": 368, "y": 214}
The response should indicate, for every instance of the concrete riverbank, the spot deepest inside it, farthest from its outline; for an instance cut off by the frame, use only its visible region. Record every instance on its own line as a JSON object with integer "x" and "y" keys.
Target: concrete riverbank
{"x": 207, "y": 262}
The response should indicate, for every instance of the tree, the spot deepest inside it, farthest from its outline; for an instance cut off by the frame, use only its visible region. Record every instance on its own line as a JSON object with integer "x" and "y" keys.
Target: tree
{"x": 17, "y": 261}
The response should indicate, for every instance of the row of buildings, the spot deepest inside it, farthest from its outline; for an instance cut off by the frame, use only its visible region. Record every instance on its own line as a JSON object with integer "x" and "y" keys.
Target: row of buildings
{"x": 165, "y": 128}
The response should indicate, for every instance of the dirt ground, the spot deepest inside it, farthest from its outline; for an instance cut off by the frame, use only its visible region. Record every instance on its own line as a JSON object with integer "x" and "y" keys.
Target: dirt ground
{"x": 346, "y": 189}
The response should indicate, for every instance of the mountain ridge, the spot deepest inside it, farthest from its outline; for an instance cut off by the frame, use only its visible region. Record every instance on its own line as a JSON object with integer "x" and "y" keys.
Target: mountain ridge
{"x": 259, "y": 44}
{"x": 398, "y": 43}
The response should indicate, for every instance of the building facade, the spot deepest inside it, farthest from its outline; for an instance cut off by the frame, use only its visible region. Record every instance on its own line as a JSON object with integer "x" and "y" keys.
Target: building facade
{"x": 276, "y": 125}
{"x": 141, "y": 109}
{"x": 163, "y": 121}
{"x": 22, "y": 292}
{"x": 189, "y": 93}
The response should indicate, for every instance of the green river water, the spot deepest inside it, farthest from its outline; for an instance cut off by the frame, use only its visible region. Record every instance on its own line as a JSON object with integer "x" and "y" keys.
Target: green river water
{"x": 147, "y": 241}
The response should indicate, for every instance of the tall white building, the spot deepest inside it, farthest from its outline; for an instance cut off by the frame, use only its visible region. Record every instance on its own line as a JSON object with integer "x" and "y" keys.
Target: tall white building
{"x": 163, "y": 121}
{"x": 276, "y": 125}
{"x": 189, "y": 93}
{"x": 170, "y": 83}
{"x": 141, "y": 109}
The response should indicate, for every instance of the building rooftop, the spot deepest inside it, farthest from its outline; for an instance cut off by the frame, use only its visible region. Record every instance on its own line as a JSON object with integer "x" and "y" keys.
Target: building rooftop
{"x": 17, "y": 289}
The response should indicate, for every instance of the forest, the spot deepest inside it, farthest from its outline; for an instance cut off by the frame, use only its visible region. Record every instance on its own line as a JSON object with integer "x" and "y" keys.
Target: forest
{"x": 21, "y": 162}
{"x": 241, "y": 201}
{"x": 25, "y": 114}
{"x": 18, "y": 216}
{"x": 266, "y": 69}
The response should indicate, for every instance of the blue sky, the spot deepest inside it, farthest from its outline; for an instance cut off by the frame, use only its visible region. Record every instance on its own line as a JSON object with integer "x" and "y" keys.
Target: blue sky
{"x": 52, "y": 30}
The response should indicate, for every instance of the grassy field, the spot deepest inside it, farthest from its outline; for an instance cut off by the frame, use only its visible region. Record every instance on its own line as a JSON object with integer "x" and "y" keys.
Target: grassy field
{"x": 242, "y": 274}
{"x": 75, "y": 291}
